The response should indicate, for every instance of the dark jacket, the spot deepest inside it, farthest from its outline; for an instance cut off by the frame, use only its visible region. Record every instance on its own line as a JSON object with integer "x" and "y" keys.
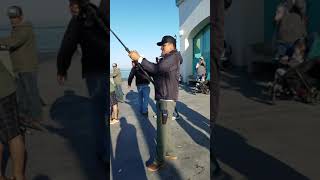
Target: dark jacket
{"x": 166, "y": 75}
{"x": 217, "y": 39}
{"x": 84, "y": 30}
{"x": 141, "y": 78}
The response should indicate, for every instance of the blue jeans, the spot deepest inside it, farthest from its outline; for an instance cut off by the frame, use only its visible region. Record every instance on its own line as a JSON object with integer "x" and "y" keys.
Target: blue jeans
{"x": 98, "y": 90}
{"x": 144, "y": 92}
{"x": 282, "y": 49}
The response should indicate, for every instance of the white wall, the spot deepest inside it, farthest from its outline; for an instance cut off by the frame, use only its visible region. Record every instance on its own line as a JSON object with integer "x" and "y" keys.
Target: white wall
{"x": 244, "y": 25}
{"x": 193, "y": 17}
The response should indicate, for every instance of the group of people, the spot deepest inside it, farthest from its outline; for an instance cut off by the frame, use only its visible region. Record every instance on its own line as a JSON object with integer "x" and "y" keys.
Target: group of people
{"x": 86, "y": 31}
{"x": 20, "y": 102}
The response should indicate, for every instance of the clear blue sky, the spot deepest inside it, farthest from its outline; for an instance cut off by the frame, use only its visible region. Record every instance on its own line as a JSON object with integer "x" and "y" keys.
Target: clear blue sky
{"x": 140, "y": 24}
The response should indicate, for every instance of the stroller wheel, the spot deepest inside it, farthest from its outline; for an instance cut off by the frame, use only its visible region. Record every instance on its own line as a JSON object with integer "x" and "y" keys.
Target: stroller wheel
{"x": 315, "y": 95}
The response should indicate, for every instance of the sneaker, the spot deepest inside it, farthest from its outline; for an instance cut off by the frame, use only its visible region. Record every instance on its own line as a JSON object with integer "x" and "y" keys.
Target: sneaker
{"x": 154, "y": 167}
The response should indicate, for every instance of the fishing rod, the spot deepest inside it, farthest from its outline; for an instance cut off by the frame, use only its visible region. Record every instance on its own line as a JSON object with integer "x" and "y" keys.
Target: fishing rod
{"x": 92, "y": 12}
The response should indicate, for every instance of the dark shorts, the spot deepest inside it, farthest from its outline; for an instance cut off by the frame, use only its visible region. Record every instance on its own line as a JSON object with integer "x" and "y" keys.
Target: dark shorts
{"x": 28, "y": 97}
{"x": 9, "y": 122}
{"x": 113, "y": 99}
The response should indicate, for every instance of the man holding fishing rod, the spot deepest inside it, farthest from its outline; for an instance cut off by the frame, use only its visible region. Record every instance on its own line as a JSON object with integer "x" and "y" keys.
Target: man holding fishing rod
{"x": 166, "y": 75}
{"x": 85, "y": 29}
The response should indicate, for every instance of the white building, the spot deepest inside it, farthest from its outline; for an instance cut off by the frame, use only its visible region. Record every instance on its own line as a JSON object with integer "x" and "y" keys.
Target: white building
{"x": 244, "y": 26}
{"x": 194, "y": 17}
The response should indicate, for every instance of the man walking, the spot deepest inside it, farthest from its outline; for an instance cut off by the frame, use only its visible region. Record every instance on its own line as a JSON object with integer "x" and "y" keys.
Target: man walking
{"x": 166, "y": 74}
{"x": 84, "y": 29}
{"x": 23, "y": 52}
{"x": 142, "y": 84}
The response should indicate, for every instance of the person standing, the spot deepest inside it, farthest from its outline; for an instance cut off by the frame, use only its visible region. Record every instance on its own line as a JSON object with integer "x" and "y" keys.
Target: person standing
{"x": 201, "y": 69}
{"x": 142, "y": 84}
{"x": 11, "y": 133}
{"x": 114, "y": 108}
{"x": 218, "y": 8}
{"x": 23, "y": 52}
{"x": 117, "y": 78}
{"x": 166, "y": 78}
{"x": 85, "y": 30}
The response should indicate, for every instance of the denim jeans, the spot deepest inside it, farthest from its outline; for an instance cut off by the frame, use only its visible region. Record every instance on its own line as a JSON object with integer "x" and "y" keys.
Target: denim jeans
{"x": 144, "y": 92}
{"x": 98, "y": 90}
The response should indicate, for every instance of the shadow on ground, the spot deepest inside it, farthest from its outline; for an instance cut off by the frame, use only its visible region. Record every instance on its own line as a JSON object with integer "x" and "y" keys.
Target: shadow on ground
{"x": 127, "y": 162}
{"x": 41, "y": 177}
{"x": 73, "y": 113}
{"x": 251, "y": 86}
{"x": 128, "y": 154}
{"x": 197, "y": 119}
{"x": 233, "y": 150}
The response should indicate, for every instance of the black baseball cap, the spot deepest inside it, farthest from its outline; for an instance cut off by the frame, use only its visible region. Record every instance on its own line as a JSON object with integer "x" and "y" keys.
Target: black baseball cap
{"x": 167, "y": 39}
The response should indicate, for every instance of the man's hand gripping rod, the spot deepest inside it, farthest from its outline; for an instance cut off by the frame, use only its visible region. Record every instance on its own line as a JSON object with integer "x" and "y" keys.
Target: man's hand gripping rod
{"x": 139, "y": 65}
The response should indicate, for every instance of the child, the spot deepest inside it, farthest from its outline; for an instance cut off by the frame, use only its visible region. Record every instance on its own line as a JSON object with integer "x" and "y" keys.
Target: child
{"x": 291, "y": 60}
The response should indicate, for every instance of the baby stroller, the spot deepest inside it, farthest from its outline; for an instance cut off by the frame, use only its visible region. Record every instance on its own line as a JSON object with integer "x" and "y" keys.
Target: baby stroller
{"x": 297, "y": 83}
{"x": 201, "y": 87}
